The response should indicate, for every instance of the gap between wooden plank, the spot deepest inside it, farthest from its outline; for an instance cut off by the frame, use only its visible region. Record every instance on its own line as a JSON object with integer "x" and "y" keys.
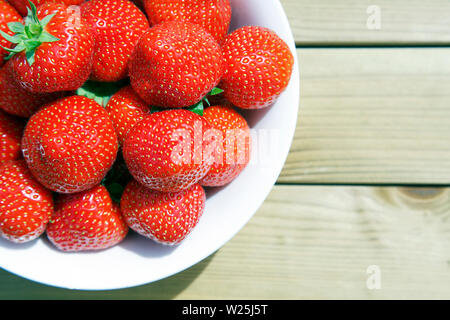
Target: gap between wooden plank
{"x": 311, "y": 243}
{"x": 378, "y": 185}
{"x": 368, "y": 22}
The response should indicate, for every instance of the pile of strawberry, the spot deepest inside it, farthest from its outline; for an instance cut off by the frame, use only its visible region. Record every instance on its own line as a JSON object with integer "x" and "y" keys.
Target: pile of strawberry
{"x": 116, "y": 115}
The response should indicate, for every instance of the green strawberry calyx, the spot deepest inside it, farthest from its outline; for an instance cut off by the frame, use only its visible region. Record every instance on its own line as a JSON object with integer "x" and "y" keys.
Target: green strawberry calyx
{"x": 101, "y": 92}
{"x": 199, "y": 106}
{"x": 29, "y": 35}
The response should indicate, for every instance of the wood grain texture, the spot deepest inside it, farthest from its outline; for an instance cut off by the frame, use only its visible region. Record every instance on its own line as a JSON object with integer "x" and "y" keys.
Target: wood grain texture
{"x": 372, "y": 116}
{"x": 331, "y": 22}
{"x": 312, "y": 242}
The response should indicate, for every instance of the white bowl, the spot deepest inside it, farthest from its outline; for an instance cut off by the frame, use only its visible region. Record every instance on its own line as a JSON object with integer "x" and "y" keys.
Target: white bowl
{"x": 137, "y": 260}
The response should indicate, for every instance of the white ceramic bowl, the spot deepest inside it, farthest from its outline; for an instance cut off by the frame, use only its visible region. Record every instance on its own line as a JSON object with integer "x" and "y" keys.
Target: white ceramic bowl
{"x": 137, "y": 260}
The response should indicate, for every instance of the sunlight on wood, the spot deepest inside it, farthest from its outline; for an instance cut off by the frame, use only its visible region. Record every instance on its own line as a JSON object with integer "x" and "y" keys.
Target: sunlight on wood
{"x": 318, "y": 242}
{"x": 372, "y": 116}
{"x": 348, "y": 22}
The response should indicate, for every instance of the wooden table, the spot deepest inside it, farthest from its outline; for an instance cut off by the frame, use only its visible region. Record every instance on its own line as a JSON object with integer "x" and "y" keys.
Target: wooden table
{"x": 361, "y": 209}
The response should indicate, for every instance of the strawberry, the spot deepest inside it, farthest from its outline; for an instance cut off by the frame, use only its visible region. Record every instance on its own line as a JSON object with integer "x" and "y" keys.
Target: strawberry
{"x": 53, "y": 50}
{"x": 234, "y": 152}
{"x": 258, "y": 67}
{"x": 125, "y": 109}
{"x": 25, "y": 205}
{"x": 213, "y": 15}
{"x": 22, "y": 5}
{"x": 70, "y": 144}
{"x": 7, "y": 15}
{"x": 175, "y": 64}
{"x": 165, "y": 150}
{"x": 117, "y": 26}
{"x": 11, "y": 130}
{"x": 164, "y": 217}
{"x": 17, "y": 101}
{"x": 88, "y": 220}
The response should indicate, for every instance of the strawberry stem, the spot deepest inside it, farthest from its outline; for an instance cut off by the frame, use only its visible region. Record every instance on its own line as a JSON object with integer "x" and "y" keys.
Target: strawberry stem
{"x": 28, "y": 36}
{"x": 196, "y": 108}
{"x": 215, "y": 91}
{"x": 101, "y": 92}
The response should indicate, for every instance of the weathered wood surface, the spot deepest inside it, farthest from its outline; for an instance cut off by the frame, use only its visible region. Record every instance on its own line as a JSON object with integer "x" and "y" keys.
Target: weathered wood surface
{"x": 309, "y": 242}
{"x": 372, "y": 116}
{"x": 353, "y": 22}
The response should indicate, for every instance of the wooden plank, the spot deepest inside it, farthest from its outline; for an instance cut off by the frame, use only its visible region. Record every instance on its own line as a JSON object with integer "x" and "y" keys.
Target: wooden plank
{"x": 345, "y": 22}
{"x": 312, "y": 242}
{"x": 372, "y": 116}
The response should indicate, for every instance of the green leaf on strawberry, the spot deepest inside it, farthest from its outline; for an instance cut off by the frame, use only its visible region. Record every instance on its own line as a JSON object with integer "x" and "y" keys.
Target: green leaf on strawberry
{"x": 30, "y": 35}
{"x": 16, "y": 27}
{"x": 215, "y": 91}
{"x": 101, "y": 92}
{"x": 197, "y": 108}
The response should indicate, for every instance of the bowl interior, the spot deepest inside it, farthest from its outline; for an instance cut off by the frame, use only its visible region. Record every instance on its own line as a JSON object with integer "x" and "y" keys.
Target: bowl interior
{"x": 137, "y": 260}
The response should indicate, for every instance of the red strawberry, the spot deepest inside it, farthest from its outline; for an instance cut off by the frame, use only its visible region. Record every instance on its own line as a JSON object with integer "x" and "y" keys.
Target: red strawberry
{"x": 17, "y": 101}
{"x": 7, "y": 14}
{"x": 125, "y": 109}
{"x": 165, "y": 150}
{"x": 10, "y": 135}
{"x": 175, "y": 64}
{"x": 213, "y": 15}
{"x": 258, "y": 67}
{"x": 88, "y": 220}
{"x": 234, "y": 152}
{"x": 117, "y": 26}
{"x": 25, "y": 205}
{"x": 164, "y": 217}
{"x": 70, "y": 144}
{"x": 54, "y": 53}
{"x": 22, "y": 5}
